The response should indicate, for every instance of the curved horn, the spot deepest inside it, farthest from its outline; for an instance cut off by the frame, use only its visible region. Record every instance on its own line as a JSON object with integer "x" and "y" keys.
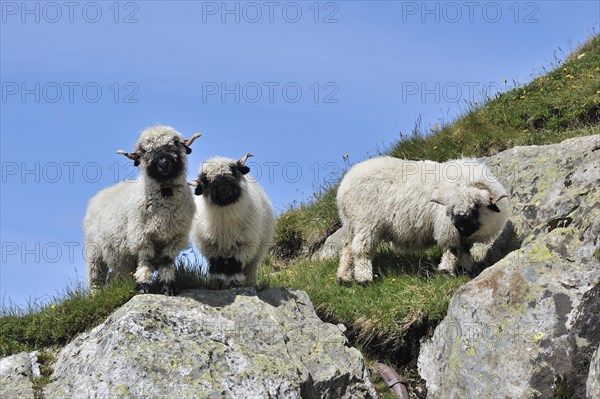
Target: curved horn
{"x": 494, "y": 200}
{"x": 189, "y": 141}
{"x": 132, "y": 156}
{"x": 244, "y": 159}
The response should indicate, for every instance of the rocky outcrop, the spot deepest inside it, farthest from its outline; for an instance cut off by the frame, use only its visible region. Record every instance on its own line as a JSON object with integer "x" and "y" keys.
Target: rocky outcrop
{"x": 212, "y": 344}
{"x": 16, "y": 373}
{"x": 528, "y": 325}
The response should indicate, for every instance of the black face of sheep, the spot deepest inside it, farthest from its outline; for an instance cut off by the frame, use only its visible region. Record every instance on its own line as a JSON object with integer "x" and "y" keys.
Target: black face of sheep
{"x": 466, "y": 223}
{"x": 164, "y": 163}
{"x": 223, "y": 189}
{"x": 222, "y": 184}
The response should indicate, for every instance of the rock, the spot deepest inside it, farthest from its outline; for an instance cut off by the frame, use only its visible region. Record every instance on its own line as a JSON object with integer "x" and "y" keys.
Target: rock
{"x": 593, "y": 381}
{"x": 15, "y": 376}
{"x": 528, "y": 325}
{"x": 212, "y": 344}
{"x": 332, "y": 246}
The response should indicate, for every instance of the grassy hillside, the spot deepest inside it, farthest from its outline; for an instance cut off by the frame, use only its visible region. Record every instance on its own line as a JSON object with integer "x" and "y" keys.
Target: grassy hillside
{"x": 387, "y": 318}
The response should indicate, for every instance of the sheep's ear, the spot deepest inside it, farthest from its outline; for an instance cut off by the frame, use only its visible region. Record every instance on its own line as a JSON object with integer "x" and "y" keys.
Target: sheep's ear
{"x": 243, "y": 169}
{"x": 134, "y": 156}
{"x": 195, "y": 183}
{"x": 188, "y": 150}
{"x": 494, "y": 207}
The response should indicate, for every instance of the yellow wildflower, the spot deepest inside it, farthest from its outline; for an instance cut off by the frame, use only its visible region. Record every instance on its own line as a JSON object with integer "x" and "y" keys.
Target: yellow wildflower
{"x": 346, "y": 156}
{"x": 569, "y": 76}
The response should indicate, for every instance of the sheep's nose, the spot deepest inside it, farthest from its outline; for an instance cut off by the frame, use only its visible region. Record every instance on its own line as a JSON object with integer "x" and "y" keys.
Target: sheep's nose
{"x": 224, "y": 191}
{"x": 164, "y": 165}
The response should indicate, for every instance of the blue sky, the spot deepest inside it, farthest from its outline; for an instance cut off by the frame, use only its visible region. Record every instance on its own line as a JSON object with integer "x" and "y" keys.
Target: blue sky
{"x": 296, "y": 83}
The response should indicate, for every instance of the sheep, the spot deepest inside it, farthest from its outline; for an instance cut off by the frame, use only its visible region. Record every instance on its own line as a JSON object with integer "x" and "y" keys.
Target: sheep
{"x": 137, "y": 226}
{"x": 234, "y": 224}
{"x": 416, "y": 204}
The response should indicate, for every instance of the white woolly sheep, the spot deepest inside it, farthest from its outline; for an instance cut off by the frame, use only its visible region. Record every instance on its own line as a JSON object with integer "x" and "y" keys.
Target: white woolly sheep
{"x": 137, "y": 226}
{"x": 416, "y": 204}
{"x": 234, "y": 222}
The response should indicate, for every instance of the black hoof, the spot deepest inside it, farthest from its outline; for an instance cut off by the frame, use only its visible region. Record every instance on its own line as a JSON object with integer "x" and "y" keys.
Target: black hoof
{"x": 168, "y": 289}
{"x": 142, "y": 288}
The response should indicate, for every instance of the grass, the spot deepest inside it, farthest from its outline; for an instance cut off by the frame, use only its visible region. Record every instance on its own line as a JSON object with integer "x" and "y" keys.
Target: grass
{"x": 301, "y": 229}
{"x": 561, "y": 104}
{"x": 55, "y": 324}
{"x": 406, "y": 298}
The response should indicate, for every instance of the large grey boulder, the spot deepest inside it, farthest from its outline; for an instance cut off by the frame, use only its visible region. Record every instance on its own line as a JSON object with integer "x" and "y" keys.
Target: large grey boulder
{"x": 16, "y": 373}
{"x": 528, "y": 326}
{"x": 212, "y": 344}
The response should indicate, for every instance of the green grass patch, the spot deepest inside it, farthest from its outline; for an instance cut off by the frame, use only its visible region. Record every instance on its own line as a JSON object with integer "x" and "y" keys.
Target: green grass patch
{"x": 406, "y": 297}
{"x": 563, "y": 103}
{"x": 302, "y": 228}
{"x": 56, "y": 323}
